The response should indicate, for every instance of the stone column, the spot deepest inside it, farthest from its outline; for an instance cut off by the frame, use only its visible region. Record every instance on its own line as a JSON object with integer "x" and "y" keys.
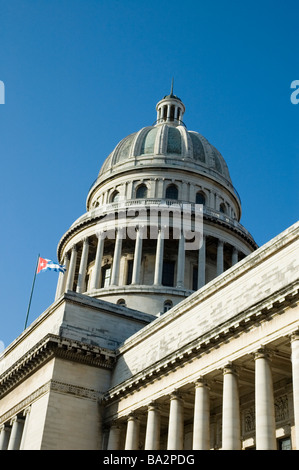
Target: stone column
{"x": 114, "y": 437}
{"x": 175, "y": 439}
{"x": 201, "y": 424}
{"x": 219, "y": 257}
{"x": 159, "y": 258}
{"x": 61, "y": 285}
{"x": 264, "y": 402}
{"x": 72, "y": 267}
{"x": 16, "y": 433}
{"x": 295, "y": 373}
{"x": 26, "y": 418}
{"x": 116, "y": 258}
{"x": 231, "y": 426}
{"x": 181, "y": 262}
{"x": 234, "y": 256}
{"x": 152, "y": 437}
{"x": 4, "y": 436}
{"x": 137, "y": 256}
{"x": 201, "y": 277}
{"x": 132, "y": 435}
{"x": 95, "y": 277}
{"x": 83, "y": 266}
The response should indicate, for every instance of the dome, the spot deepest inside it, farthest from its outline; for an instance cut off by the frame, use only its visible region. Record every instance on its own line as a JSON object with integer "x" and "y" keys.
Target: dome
{"x": 166, "y": 144}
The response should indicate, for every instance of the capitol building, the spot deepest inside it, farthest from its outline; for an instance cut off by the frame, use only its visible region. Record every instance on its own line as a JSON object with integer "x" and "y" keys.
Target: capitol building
{"x": 171, "y": 329}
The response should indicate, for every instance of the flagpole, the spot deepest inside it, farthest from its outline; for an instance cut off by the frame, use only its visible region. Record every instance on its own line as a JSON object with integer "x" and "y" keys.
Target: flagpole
{"x": 32, "y": 288}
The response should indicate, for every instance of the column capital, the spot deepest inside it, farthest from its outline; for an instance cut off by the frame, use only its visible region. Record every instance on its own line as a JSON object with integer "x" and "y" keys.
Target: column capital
{"x": 201, "y": 382}
{"x": 176, "y": 395}
{"x": 263, "y": 353}
{"x": 230, "y": 368}
{"x": 294, "y": 336}
{"x": 153, "y": 406}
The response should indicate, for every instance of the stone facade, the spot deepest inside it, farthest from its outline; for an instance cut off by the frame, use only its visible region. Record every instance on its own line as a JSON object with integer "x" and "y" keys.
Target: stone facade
{"x": 125, "y": 360}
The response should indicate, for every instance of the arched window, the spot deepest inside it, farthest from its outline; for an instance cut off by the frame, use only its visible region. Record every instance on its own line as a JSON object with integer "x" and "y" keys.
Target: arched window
{"x": 141, "y": 192}
{"x": 172, "y": 192}
{"x": 222, "y": 208}
{"x": 121, "y": 302}
{"x": 106, "y": 275}
{"x": 167, "y": 305}
{"x": 115, "y": 196}
{"x": 200, "y": 198}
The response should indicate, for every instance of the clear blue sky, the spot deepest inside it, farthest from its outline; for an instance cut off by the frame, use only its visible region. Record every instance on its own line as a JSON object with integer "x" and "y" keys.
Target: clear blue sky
{"x": 80, "y": 75}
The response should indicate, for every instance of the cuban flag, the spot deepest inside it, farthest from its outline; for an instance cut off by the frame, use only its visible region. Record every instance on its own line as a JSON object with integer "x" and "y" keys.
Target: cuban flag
{"x": 48, "y": 265}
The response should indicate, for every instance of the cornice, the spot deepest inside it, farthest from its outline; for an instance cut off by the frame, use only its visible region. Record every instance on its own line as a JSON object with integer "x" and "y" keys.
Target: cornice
{"x": 52, "y": 346}
{"x": 262, "y": 311}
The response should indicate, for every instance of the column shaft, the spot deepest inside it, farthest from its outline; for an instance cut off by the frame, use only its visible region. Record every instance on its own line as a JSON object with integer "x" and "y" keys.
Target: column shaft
{"x": 175, "y": 439}
{"x": 264, "y": 403}
{"x": 137, "y": 257}
{"x": 16, "y": 434}
{"x": 159, "y": 259}
{"x": 83, "y": 266}
{"x": 234, "y": 256}
{"x": 116, "y": 258}
{"x": 72, "y": 267}
{"x": 132, "y": 435}
{"x": 201, "y": 277}
{"x": 4, "y": 437}
{"x": 201, "y": 424}
{"x": 231, "y": 426}
{"x": 114, "y": 437}
{"x": 152, "y": 437}
{"x": 61, "y": 285}
{"x": 181, "y": 262}
{"x": 95, "y": 277}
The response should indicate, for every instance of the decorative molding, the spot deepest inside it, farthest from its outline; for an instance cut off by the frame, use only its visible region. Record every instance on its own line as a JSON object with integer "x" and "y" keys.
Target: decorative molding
{"x": 50, "y": 347}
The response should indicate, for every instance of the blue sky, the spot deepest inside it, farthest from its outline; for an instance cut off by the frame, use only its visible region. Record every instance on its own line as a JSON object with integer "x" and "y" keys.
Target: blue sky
{"x": 80, "y": 75}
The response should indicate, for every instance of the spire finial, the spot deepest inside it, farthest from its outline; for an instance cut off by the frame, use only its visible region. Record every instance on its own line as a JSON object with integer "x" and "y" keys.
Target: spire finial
{"x": 171, "y": 91}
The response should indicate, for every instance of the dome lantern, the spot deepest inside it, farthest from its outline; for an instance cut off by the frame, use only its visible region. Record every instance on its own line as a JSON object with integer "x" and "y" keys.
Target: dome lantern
{"x": 170, "y": 109}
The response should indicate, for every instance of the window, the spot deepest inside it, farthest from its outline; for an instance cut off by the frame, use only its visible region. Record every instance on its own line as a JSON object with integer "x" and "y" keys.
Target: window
{"x": 129, "y": 271}
{"x": 172, "y": 192}
{"x": 115, "y": 196}
{"x": 168, "y": 273}
{"x": 222, "y": 208}
{"x": 121, "y": 302}
{"x": 285, "y": 444}
{"x": 167, "y": 306}
{"x": 106, "y": 275}
{"x": 141, "y": 192}
{"x": 200, "y": 198}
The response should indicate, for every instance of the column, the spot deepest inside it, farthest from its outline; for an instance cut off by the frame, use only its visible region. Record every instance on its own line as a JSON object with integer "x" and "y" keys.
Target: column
{"x": 234, "y": 256}
{"x": 61, "y": 285}
{"x": 201, "y": 276}
{"x": 201, "y": 424}
{"x": 95, "y": 277}
{"x": 72, "y": 267}
{"x": 264, "y": 402}
{"x": 116, "y": 257}
{"x": 152, "y": 436}
{"x": 26, "y": 418}
{"x": 181, "y": 262}
{"x": 16, "y": 433}
{"x": 159, "y": 258}
{"x": 219, "y": 257}
{"x": 4, "y": 436}
{"x": 114, "y": 437}
{"x": 137, "y": 256}
{"x": 132, "y": 435}
{"x": 83, "y": 266}
{"x": 295, "y": 372}
{"x": 175, "y": 439}
{"x": 231, "y": 426}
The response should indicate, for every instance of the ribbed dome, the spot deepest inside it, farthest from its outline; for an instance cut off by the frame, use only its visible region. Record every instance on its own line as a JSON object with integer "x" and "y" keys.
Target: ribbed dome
{"x": 166, "y": 144}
